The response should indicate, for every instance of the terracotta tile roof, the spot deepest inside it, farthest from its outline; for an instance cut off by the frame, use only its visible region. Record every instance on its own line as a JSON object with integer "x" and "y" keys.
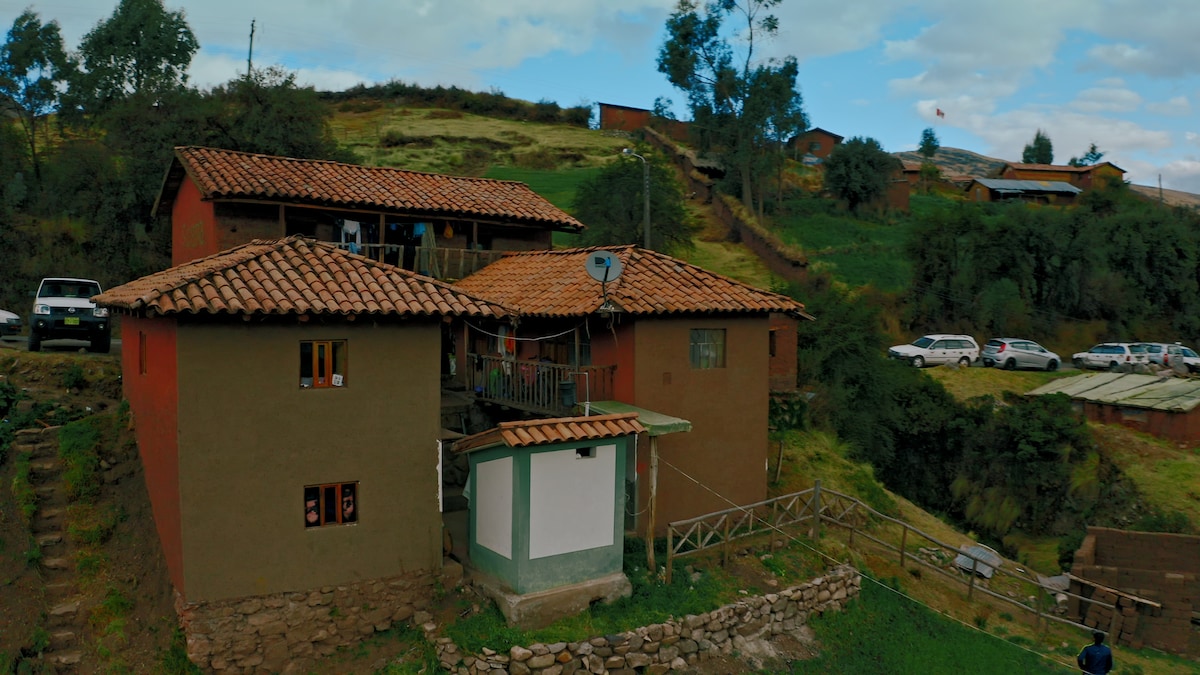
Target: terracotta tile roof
{"x": 555, "y": 283}
{"x": 226, "y": 174}
{"x": 296, "y": 275}
{"x": 558, "y": 430}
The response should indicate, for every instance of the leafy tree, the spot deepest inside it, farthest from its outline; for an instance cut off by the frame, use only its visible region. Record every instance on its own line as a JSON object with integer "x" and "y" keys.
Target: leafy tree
{"x": 141, "y": 49}
{"x": 268, "y": 113}
{"x": 612, "y": 205}
{"x": 32, "y": 66}
{"x": 740, "y": 108}
{"x": 929, "y": 144}
{"x": 1039, "y": 151}
{"x": 858, "y": 171}
{"x": 1092, "y": 156}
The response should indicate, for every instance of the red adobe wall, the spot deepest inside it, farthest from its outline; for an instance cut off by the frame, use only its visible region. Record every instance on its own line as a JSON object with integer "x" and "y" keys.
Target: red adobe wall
{"x": 622, "y": 118}
{"x": 782, "y": 365}
{"x": 193, "y": 225}
{"x": 616, "y": 347}
{"x": 154, "y": 402}
{"x": 1177, "y": 426}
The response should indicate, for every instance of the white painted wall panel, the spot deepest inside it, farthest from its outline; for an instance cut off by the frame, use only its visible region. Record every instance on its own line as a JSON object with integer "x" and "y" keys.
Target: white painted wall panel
{"x": 493, "y": 505}
{"x": 571, "y": 501}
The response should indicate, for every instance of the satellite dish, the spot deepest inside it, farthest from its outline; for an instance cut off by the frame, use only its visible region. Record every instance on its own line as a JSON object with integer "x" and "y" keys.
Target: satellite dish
{"x": 603, "y": 266}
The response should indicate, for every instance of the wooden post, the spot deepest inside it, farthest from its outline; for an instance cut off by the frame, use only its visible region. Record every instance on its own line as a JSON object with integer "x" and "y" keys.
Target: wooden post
{"x": 670, "y": 554}
{"x": 652, "y": 507}
{"x": 814, "y": 530}
{"x": 903, "y": 543}
{"x": 725, "y": 543}
{"x": 774, "y": 522}
{"x": 853, "y": 529}
{"x": 971, "y": 583}
{"x": 779, "y": 462}
{"x": 382, "y": 227}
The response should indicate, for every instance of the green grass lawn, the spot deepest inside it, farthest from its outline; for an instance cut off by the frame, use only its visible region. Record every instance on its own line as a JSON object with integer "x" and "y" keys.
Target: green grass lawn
{"x": 556, "y": 185}
{"x": 884, "y": 632}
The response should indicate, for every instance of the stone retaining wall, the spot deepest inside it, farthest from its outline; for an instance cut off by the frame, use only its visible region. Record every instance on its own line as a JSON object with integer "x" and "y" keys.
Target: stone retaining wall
{"x": 674, "y": 645}
{"x": 286, "y": 632}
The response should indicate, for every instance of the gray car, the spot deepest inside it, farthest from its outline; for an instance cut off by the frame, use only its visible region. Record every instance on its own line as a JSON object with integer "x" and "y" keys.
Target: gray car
{"x": 1013, "y": 353}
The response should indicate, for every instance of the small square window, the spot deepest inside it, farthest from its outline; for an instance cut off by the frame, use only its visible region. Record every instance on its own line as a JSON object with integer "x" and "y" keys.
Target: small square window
{"x": 707, "y": 348}
{"x": 330, "y": 504}
{"x": 322, "y": 364}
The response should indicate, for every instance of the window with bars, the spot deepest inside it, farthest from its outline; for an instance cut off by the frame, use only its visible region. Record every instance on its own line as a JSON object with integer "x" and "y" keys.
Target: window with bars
{"x": 322, "y": 364}
{"x": 330, "y": 504}
{"x": 707, "y": 348}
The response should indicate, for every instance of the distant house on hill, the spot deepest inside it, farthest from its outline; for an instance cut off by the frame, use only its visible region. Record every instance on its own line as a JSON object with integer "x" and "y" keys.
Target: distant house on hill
{"x": 1034, "y": 191}
{"x": 1082, "y": 177}
{"x": 442, "y": 226}
{"x": 813, "y": 146}
{"x": 627, "y": 118}
{"x": 1168, "y": 407}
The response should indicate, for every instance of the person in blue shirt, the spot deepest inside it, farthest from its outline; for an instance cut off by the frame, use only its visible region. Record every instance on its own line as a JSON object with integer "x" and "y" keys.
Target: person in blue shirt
{"x": 1096, "y": 658}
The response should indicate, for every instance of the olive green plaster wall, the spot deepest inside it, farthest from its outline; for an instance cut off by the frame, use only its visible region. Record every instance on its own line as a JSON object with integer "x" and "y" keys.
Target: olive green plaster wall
{"x": 250, "y": 439}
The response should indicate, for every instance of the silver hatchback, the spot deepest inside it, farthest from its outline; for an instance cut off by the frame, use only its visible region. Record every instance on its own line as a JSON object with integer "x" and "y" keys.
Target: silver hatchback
{"x": 1013, "y": 353}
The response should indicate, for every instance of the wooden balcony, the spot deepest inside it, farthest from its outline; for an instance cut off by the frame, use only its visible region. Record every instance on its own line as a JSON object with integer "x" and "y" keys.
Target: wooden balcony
{"x": 537, "y": 386}
{"x": 433, "y": 261}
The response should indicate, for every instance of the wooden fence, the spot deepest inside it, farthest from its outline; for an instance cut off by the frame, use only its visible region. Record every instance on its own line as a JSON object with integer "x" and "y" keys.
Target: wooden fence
{"x": 433, "y": 261}
{"x": 808, "y": 510}
{"x": 537, "y": 386}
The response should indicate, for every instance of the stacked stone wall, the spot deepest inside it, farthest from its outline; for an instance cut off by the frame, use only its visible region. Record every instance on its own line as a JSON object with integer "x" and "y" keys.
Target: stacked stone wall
{"x": 673, "y": 645}
{"x": 286, "y": 632}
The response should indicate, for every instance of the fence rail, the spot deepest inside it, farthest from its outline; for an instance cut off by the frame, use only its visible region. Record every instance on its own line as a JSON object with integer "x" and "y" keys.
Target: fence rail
{"x": 817, "y": 506}
{"x": 538, "y": 386}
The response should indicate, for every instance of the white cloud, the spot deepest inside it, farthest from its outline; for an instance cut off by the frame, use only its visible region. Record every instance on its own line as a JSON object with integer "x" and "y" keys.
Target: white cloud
{"x": 1176, "y": 106}
{"x": 1182, "y": 174}
{"x": 1106, "y": 99}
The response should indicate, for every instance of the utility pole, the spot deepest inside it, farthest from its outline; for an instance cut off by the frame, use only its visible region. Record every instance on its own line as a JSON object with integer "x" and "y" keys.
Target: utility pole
{"x": 646, "y": 192}
{"x": 250, "y": 53}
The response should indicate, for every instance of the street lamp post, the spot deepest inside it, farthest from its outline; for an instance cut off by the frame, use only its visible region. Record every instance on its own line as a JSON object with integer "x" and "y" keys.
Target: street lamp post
{"x": 646, "y": 192}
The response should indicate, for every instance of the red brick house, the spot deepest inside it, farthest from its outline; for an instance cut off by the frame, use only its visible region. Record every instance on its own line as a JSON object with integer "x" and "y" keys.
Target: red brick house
{"x": 814, "y": 146}
{"x": 267, "y": 396}
{"x": 442, "y": 226}
{"x": 665, "y": 336}
{"x": 626, "y": 118}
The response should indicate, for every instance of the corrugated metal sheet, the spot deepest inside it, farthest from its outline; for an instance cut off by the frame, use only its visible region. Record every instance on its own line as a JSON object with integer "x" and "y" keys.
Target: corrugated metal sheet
{"x": 1152, "y": 392}
{"x": 1011, "y": 185}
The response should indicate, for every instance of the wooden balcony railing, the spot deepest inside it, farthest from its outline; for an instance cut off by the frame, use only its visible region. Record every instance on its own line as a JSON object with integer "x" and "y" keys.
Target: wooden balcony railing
{"x": 437, "y": 262}
{"x": 538, "y": 386}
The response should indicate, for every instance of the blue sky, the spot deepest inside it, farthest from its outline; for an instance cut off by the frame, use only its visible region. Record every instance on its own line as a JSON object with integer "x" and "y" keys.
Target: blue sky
{"x": 1124, "y": 74}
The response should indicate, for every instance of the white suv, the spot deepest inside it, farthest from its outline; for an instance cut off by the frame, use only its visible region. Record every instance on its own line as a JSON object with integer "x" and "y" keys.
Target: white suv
{"x": 63, "y": 308}
{"x": 1112, "y": 356}
{"x": 934, "y": 349}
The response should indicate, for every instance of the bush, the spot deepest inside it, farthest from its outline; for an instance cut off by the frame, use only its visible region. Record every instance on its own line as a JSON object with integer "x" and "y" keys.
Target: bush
{"x": 73, "y": 377}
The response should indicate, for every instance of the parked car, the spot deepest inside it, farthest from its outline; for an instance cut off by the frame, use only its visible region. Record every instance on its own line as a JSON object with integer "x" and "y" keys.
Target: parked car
{"x": 10, "y": 323}
{"x": 1013, "y": 353}
{"x": 934, "y": 349}
{"x": 1112, "y": 356}
{"x": 63, "y": 309}
{"x": 1167, "y": 355}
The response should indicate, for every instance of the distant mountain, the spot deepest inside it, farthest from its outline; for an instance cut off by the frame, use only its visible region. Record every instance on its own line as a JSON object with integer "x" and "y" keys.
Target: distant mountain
{"x": 956, "y": 162}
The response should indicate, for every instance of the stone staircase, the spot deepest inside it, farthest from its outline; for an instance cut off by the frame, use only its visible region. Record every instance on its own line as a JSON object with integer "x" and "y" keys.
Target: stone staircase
{"x": 64, "y": 620}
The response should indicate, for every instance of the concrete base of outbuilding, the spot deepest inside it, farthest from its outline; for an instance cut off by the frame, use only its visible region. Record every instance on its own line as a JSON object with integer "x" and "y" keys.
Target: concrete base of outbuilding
{"x": 540, "y": 609}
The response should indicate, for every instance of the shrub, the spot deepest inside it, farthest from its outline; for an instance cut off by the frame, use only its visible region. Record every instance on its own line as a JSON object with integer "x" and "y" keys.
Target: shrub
{"x": 73, "y": 377}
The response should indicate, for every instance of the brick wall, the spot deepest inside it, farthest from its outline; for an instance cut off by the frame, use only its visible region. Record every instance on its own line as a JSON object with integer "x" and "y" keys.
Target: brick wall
{"x": 1162, "y": 568}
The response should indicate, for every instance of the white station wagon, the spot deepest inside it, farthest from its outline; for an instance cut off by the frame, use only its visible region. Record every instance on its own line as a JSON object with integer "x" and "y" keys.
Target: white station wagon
{"x": 931, "y": 350}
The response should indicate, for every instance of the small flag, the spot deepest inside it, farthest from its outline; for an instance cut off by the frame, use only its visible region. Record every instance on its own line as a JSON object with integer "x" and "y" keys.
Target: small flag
{"x": 940, "y": 113}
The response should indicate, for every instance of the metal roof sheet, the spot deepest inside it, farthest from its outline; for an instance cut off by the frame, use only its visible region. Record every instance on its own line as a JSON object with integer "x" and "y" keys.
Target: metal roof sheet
{"x": 1008, "y": 184}
{"x": 1152, "y": 392}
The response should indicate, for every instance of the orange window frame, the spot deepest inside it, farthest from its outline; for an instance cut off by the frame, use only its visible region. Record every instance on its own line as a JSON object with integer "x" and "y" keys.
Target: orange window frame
{"x": 326, "y": 363}
{"x": 330, "y": 498}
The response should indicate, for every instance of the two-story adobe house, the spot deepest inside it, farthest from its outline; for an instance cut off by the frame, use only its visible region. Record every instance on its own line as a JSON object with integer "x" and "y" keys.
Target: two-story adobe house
{"x": 285, "y": 395}
{"x": 664, "y": 336}
{"x": 440, "y": 226}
